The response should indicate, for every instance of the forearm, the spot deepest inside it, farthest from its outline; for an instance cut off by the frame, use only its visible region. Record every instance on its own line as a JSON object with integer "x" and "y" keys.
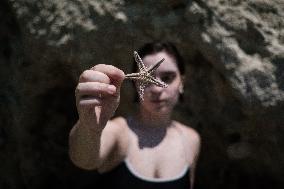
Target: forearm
{"x": 84, "y": 146}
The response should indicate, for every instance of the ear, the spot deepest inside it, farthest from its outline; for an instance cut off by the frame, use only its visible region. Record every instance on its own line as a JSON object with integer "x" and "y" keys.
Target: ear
{"x": 180, "y": 89}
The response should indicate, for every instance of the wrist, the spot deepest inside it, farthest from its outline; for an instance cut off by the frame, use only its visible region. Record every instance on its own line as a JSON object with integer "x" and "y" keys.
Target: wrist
{"x": 89, "y": 127}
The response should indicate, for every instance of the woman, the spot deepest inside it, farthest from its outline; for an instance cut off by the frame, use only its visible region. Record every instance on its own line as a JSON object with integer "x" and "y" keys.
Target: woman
{"x": 146, "y": 150}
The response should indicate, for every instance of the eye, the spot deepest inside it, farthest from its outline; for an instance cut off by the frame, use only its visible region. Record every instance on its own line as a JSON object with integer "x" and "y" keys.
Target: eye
{"x": 168, "y": 78}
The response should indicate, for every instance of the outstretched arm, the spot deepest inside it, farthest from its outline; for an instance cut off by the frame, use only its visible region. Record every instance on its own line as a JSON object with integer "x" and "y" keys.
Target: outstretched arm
{"x": 94, "y": 138}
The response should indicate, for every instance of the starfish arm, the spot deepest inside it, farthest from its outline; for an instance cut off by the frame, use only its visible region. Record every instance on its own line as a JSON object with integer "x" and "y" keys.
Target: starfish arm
{"x": 157, "y": 82}
{"x": 155, "y": 66}
{"x": 132, "y": 76}
{"x": 145, "y": 76}
{"x": 141, "y": 87}
{"x": 139, "y": 61}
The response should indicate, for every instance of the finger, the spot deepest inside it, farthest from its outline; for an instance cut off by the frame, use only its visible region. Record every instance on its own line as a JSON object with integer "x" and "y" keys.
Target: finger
{"x": 94, "y": 76}
{"x": 89, "y": 102}
{"x": 116, "y": 75}
{"x": 95, "y": 89}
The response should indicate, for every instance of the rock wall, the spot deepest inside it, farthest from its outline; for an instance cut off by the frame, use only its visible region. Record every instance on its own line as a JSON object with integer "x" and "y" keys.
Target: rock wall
{"x": 234, "y": 83}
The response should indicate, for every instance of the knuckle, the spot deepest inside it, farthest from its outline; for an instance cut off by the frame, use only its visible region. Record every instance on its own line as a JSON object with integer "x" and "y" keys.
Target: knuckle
{"x": 85, "y": 75}
{"x": 97, "y": 67}
{"x": 116, "y": 72}
{"x": 77, "y": 89}
{"x": 101, "y": 86}
{"x": 111, "y": 71}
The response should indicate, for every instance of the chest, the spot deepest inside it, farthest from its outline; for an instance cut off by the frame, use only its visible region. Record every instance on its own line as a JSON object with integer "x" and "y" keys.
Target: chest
{"x": 158, "y": 158}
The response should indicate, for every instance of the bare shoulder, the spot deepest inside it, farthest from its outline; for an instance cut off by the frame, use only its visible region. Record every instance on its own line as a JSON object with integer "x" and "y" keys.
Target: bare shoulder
{"x": 117, "y": 125}
{"x": 119, "y": 121}
{"x": 192, "y": 136}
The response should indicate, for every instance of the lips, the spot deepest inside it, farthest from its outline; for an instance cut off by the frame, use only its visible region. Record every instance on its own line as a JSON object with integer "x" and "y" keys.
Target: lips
{"x": 158, "y": 101}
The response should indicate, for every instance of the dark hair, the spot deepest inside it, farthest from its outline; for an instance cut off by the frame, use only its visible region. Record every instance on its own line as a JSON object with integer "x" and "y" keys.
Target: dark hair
{"x": 156, "y": 47}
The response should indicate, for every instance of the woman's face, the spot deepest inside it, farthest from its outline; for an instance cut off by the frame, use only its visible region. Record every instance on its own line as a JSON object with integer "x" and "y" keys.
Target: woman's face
{"x": 157, "y": 99}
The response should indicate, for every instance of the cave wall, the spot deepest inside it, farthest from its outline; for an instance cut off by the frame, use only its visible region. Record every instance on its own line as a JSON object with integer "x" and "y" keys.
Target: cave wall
{"x": 233, "y": 90}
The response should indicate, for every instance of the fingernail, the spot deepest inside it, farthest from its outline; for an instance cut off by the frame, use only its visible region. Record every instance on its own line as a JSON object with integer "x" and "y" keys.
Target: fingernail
{"x": 111, "y": 89}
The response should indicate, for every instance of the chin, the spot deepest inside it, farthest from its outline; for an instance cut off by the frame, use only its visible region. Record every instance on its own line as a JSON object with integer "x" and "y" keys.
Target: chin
{"x": 158, "y": 107}
{"x": 161, "y": 108}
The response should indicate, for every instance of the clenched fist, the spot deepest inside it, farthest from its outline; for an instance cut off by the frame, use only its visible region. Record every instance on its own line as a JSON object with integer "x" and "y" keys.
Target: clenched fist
{"x": 98, "y": 94}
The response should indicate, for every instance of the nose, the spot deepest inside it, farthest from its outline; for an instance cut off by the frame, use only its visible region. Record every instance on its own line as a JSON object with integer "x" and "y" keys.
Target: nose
{"x": 155, "y": 89}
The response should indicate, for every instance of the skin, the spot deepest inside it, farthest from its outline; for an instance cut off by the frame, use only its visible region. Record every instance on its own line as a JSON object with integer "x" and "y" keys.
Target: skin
{"x": 96, "y": 142}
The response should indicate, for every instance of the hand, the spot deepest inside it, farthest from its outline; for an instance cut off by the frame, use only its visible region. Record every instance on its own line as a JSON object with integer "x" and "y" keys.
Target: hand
{"x": 98, "y": 94}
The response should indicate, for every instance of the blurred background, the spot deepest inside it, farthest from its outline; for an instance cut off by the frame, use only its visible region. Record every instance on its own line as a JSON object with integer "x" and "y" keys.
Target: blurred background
{"x": 234, "y": 89}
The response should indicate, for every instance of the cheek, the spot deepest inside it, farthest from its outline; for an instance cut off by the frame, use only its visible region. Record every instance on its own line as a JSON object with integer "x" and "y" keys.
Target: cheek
{"x": 173, "y": 94}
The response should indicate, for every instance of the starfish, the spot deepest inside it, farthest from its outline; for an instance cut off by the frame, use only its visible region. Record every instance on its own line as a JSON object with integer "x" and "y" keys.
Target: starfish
{"x": 145, "y": 76}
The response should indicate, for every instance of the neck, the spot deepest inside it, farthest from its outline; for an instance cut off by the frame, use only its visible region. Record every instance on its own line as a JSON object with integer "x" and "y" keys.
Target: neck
{"x": 154, "y": 121}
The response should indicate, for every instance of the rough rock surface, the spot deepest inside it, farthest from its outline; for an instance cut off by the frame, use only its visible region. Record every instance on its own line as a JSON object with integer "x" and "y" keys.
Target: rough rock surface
{"x": 234, "y": 94}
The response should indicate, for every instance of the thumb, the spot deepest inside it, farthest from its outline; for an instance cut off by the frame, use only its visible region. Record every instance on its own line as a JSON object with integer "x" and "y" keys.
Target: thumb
{"x": 117, "y": 77}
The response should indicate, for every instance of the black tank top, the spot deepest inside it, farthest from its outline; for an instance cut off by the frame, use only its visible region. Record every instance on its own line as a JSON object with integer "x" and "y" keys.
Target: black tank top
{"x": 123, "y": 177}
